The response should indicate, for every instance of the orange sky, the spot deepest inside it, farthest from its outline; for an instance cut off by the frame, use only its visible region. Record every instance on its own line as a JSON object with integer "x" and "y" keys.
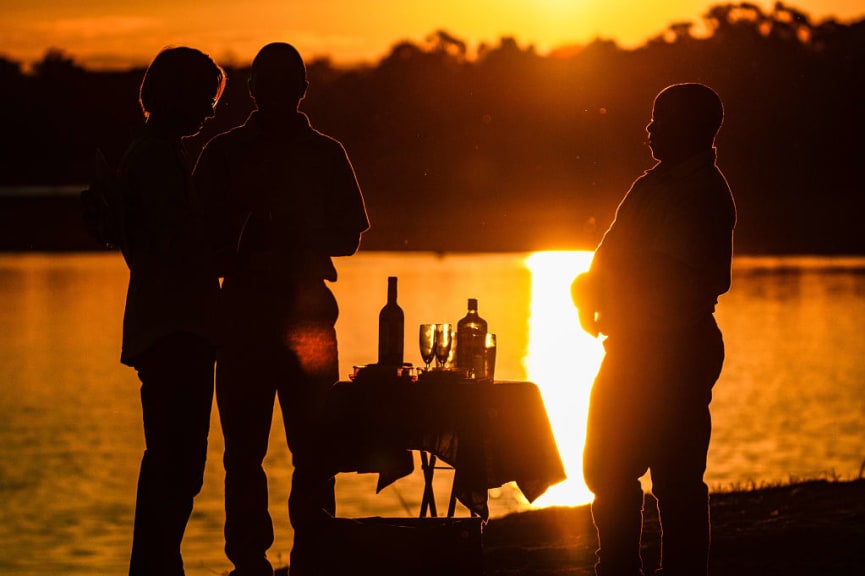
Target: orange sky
{"x": 113, "y": 33}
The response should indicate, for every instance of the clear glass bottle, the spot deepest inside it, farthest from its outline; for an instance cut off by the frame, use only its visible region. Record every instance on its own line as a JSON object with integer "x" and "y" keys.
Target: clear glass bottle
{"x": 471, "y": 340}
{"x": 391, "y": 329}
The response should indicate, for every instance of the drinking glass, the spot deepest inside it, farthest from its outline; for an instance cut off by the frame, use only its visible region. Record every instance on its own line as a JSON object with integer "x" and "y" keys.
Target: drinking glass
{"x": 490, "y": 356}
{"x": 443, "y": 340}
{"x": 427, "y": 343}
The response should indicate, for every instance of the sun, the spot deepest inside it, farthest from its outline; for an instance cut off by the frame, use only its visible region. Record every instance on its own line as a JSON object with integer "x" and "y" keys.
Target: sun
{"x": 562, "y": 360}
{"x": 558, "y": 6}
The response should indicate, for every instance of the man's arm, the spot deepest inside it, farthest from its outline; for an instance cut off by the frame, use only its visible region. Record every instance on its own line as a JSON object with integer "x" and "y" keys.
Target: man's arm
{"x": 347, "y": 218}
{"x": 584, "y": 293}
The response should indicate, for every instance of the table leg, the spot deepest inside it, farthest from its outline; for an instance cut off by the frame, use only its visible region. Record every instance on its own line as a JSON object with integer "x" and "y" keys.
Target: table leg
{"x": 452, "y": 505}
{"x": 428, "y": 502}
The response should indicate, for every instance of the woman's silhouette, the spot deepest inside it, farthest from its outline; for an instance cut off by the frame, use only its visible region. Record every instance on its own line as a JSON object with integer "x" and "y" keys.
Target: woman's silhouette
{"x": 170, "y": 303}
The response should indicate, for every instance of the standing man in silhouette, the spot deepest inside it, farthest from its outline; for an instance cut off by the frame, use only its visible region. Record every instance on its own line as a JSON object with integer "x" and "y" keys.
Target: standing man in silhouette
{"x": 169, "y": 333}
{"x": 652, "y": 290}
{"x": 285, "y": 200}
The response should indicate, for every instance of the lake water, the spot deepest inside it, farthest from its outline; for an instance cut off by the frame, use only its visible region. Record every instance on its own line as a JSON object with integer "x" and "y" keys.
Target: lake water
{"x": 790, "y": 402}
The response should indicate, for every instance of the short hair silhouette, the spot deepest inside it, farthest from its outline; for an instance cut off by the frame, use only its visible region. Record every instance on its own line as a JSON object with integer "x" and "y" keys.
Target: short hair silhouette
{"x": 698, "y": 107}
{"x": 177, "y": 78}
{"x": 278, "y": 77}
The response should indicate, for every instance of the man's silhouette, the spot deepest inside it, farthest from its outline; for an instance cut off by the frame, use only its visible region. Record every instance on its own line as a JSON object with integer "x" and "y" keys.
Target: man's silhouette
{"x": 285, "y": 200}
{"x": 652, "y": 290}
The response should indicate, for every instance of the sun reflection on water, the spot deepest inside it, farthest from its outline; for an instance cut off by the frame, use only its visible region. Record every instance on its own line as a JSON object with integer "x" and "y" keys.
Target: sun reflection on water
{"x": 563, "y": 361}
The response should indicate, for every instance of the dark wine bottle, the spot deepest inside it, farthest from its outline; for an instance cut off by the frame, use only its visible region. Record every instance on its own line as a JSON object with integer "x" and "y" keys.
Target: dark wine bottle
{"x": 391, "y": 329}
{"x": 471, "y": 340}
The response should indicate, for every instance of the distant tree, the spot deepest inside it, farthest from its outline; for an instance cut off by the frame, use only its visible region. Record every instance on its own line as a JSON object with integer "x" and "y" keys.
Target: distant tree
{"x": 9, "y": 69}
{"x": 443, "y": 42}
{"x": 55, "y": 64}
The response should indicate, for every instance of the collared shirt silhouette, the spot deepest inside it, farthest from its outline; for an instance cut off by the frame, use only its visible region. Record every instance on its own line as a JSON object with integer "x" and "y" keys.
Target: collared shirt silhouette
{"x": 652, "y": 290}
{"x": 169, "y": 334}
{"x": 284, "y": 200}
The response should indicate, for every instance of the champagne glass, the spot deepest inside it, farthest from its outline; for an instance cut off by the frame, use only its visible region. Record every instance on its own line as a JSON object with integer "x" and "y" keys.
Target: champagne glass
{"x": 427, "y": 343}
{"x": 490, "y": 356}
{"x": 443, "y": 340}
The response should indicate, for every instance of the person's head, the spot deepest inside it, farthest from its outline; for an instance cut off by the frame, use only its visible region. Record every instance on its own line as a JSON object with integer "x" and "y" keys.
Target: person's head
{"x": 180, "y": 89}
{"x": 277, "y": 81}
{"x": 685, "y": 120}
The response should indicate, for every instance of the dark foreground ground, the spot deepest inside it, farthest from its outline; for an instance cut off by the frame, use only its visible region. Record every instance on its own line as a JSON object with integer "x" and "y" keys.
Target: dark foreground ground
{"x": 813, "y": 528}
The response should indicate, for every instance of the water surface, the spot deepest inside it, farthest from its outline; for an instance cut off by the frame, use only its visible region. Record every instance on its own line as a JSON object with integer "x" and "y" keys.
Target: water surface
{"x": 790, "y": 403}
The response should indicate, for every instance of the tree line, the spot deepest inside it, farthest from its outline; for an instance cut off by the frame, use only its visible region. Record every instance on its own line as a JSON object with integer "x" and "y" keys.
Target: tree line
{"x": 508, "y": 149}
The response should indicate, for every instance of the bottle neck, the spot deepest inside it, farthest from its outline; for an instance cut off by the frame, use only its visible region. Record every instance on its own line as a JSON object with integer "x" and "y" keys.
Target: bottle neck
{"x": 473, "y": 307}
{"x": 391, "y": 290}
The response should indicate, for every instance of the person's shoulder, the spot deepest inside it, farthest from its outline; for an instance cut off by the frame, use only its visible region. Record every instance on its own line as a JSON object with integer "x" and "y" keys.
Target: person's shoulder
{"x": 719, "y": 180}
{"x": 324, "y": 141}
{"x": 149, "y": 144}
{"x": 643, "y": 181}
{"x": 147, "y": 151}
{"x": 703, "y": 171}
{"x": 231, "y": 137}
{"x": 719, "y": 193}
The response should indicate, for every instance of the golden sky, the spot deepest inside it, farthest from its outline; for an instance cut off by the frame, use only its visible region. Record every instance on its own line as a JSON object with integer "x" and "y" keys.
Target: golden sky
{"x": 115, "y": 33}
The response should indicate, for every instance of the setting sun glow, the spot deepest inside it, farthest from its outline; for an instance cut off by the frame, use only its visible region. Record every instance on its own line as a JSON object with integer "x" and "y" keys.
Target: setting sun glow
{"x": 116, "y": 34}
{"x": 563, "y": 361}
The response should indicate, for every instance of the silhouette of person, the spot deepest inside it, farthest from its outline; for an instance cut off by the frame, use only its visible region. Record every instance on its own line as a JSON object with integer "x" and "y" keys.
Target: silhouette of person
{"x": 652, "y": 290}
{"x": 168, "y": 329}
{"x": 286, "y": 200}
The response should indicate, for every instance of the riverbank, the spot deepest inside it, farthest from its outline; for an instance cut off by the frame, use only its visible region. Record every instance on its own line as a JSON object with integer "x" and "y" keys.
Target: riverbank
{"x": 814, "y": 528}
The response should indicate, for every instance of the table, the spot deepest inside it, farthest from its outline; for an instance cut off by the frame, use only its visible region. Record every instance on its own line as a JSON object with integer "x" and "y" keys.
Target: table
{"x": 491, "y": 433}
